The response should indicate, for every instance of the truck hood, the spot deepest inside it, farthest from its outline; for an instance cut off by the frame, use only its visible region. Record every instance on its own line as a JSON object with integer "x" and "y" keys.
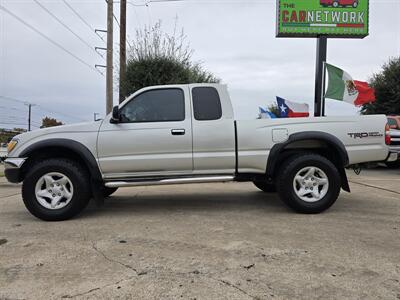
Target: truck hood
{"x": 78, "y": 127}
{"x": 58, "y": 130}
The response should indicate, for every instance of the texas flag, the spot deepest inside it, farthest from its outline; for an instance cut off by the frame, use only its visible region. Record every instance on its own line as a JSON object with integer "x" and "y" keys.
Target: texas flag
{"x": 290, "y": 109}
{"x": 265, "y": 114}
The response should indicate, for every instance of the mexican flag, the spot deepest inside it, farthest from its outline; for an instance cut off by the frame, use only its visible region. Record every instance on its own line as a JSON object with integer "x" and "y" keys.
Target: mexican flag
{"x": 342, "y": 87}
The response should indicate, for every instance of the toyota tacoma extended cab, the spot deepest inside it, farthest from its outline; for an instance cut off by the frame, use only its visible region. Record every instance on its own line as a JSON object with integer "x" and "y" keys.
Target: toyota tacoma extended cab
{"x": 188, "y": 134}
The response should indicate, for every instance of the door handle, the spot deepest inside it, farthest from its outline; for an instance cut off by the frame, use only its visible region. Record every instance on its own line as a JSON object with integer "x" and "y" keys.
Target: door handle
{"x": 178, "y": 131}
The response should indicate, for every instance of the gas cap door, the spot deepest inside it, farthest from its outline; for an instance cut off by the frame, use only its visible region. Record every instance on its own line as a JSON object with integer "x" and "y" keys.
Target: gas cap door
{"x": 280, "y": 135}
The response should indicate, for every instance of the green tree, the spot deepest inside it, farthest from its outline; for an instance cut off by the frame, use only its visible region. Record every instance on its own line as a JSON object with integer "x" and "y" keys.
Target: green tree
{"x": 50, "y": 122}
{"x": 387, "y": 90}
{"x": 7, "y": 134}
{"x": 157, "y": 58}
{"x": 275, "y": 110}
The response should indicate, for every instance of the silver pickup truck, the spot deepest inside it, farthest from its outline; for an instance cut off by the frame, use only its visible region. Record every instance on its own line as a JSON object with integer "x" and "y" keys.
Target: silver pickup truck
{"x": 188, "y": 134}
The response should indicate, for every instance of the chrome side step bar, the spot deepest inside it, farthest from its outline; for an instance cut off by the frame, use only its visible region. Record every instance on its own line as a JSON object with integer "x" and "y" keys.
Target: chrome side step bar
{"x": 198, "y": 179}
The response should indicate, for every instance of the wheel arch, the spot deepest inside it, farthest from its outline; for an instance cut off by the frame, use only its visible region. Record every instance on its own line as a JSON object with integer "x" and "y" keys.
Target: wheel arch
{"x": 322, "y": 143}
{"x": 65, "y": 148}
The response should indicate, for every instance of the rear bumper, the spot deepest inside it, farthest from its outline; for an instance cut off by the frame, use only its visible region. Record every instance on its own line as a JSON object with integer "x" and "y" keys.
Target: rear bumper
{"x": 395, "y": 148}
{"x": 12, "y": 169}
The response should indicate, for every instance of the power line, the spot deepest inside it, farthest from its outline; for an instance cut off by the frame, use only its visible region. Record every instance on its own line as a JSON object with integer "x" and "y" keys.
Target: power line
{"x": 82, "y": 19}
{"x": 119, "y": 25}
{"x": 11, "y": 117}
{"x": 48, "y": 39}
{"x": 16, "y": 123}
{"x": 60, "y": 114}
{"x": 14, "y": 114}
{"x": 13, "y": 99}
{"x": 116, "y": 20}
{"x": 66, "y": 26}
{"x": 41, "y": 107}
{"x": 11, "y": 108}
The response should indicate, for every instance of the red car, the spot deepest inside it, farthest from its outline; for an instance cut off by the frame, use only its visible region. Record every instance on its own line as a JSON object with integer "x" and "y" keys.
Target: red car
{"x": 337, "y": 3}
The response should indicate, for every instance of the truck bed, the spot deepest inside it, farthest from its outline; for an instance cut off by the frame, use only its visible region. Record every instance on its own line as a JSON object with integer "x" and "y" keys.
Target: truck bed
{"x": 358, "y": 134}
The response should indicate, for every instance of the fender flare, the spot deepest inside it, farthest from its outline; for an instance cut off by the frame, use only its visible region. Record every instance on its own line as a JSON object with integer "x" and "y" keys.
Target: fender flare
{"x": 79, "y": 149}
{"x": 310, "y": 135}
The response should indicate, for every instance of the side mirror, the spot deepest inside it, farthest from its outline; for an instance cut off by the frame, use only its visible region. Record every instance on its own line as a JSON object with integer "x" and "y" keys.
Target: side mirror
{"x": 116, "y": 117}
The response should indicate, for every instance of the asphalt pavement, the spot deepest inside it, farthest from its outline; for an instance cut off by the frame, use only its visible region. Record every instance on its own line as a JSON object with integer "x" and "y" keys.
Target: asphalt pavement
{"x": 207, "y": 241}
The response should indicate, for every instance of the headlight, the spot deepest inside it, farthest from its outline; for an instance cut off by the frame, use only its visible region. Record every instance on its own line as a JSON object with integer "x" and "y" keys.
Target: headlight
{"x": 11, "y": 145}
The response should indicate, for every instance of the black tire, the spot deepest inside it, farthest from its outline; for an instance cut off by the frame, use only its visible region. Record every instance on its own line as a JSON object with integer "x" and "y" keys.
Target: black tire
{"x": 335, "y": 4}
{"x": 77, "y": 175}
{"x": 107, "y": 191}
{"x": 393, "y": 164}
{"x": 265, "y": 186}
{"x": 355, "y": 4}
{"x": 286, "y": 189}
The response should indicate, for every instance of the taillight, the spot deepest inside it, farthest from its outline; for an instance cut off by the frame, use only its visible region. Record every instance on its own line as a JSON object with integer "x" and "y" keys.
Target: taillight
{"x": 387, "y": 135}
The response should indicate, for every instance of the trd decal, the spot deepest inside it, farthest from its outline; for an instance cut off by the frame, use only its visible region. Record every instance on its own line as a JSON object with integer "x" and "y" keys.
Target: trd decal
{"x": 361, "y": 135}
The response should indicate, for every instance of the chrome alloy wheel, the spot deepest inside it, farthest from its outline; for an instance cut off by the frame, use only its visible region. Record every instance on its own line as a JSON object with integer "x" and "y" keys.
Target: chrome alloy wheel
{"x": 54, "y": 190}
{"x": 311, "y": 184}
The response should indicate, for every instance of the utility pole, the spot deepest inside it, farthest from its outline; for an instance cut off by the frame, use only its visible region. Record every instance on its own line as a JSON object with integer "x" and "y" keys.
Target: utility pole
{"x": 122, "y": 49}
{"x": 29, "y": 117}
{"x": 109, "y": 72}
{"x": 29, "y": 114}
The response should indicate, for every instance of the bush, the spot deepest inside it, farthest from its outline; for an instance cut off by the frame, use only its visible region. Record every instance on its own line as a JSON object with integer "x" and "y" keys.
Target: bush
{"x": 157, "y": 58}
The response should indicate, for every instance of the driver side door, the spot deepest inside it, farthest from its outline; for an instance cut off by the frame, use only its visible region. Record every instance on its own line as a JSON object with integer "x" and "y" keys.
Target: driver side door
{"x": 153, "y": 137}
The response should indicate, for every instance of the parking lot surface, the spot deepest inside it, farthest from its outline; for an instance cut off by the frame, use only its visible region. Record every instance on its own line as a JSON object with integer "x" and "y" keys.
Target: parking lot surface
{"x": 207, "y": 241}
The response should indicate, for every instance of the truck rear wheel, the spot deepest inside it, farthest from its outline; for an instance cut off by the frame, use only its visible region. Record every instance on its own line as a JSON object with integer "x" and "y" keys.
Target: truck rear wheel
{"x": 309, "y": 183}
{"x": 265, "y": 187}
{"x": 56, "y": 189}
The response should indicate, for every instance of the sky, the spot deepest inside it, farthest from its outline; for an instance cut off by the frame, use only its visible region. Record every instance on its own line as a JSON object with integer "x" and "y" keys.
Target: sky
{"x": 234, "y": 39}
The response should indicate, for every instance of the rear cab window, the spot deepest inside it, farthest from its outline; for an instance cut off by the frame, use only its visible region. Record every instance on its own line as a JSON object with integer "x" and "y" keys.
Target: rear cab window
{"x": 206, "y": 104}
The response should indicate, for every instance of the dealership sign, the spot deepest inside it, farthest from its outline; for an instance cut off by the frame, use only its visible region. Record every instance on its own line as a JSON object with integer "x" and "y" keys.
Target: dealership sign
{"x": 332, "y": 18}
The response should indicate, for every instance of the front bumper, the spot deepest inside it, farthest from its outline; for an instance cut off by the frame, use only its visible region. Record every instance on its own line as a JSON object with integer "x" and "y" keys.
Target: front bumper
{"x": 12, "y": 169}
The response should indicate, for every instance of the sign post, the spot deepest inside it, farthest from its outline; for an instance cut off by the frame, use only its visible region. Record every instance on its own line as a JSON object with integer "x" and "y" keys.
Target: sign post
{"x": 322, "y": 19}
{"x": 319, "y": 103}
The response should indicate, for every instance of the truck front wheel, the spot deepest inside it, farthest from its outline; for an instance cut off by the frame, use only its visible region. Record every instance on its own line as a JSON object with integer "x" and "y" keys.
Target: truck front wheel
{"x": 107, "y": 191}
{"x": 309, "y": 183}
{"x": 56, "y": 189}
